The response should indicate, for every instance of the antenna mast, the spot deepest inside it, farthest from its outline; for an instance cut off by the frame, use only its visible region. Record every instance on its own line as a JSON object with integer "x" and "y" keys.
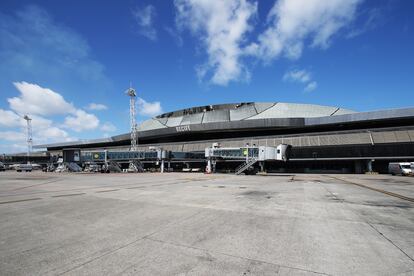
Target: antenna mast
{"x": 134, "y": 135}
{"x": 29, "y": 134}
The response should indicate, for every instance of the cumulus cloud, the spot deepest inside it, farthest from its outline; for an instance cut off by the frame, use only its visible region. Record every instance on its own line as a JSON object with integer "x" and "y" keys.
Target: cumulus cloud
{"x": 301, "y": 76}
{"x": 221, "y": 27}
{"x": 44, "y": 106}
{"x": 108, "y": 127}
{"x": 43, "y": 130}
{"x": 34, "y": 99}
{"x": 9, "y": 119}
{"x": 297, "y": 75}
{"x": 96, "y": 106}
{"x": 81, "y": 120}
{"x": 372, "y": 19}
{"x": 292, "y": 22}
{"x": 149, "y": 108}
{"x": 145, "y": 21}
{"x": 311, "y": 86}
{"x": 11, "y": 135}
{"x": 39, "y": 102}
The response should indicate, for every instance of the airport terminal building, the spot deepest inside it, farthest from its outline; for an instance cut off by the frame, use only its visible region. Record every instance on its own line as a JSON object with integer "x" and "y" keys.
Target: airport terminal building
{"x": 323, "y": 138}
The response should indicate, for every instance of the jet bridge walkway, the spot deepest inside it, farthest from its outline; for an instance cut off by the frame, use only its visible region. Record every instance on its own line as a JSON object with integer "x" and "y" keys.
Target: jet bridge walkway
{"x": 249, "y": 156}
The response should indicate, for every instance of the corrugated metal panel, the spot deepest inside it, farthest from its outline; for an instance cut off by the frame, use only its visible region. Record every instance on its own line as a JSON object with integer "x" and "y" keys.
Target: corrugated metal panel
{"x": 365, "y": 138}
{"x": 163, "y": 120}
{"x": 203, "y": 146}
{"x": 324, "y": 140}
{"x": 254, "y": 142}
{"x": 343, "y": 111}
{"x": 242, "y": 112}
{"x": 411, "y": 134}
{"x": 198, "y": 146}
{"x": 313, "y": 141}
{"x": 262, "y": 142}
{"x": 238, "y": 143}
{"x": 277, "y": 141}
{"x": 402, "y": 136}
{"x": 150, "y": 124}
{"x": 304, "y": 142}
{"x": 290, "y": 141}
{"x": 389, "y": 137}
{"x": 174, "y": 121}
{"x": 192, "y": 119}
{"x": 378, "y": 137}
{"x": 291, "y": 110}
{"x": 187, "y": 147}
{"x": 260, "y": 107}
{"x": 216, "y": 116}
{"x": 168, "y": 147}
{"x": 334, "y": 140}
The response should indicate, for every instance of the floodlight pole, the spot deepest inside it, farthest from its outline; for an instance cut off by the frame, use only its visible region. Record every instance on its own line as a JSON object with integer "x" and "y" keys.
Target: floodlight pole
{"x": 134, "y": 135}
{"x": 29, "y": 135}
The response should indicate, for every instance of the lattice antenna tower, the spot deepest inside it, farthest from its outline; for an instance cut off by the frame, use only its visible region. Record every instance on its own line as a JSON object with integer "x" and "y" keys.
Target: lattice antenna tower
{"x": 29, "y": 134}
{"x": 134, "y": 135}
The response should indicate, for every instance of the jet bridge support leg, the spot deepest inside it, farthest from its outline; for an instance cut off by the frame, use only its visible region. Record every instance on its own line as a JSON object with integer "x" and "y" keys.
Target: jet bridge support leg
{"x": 208, "y": 168}
{"x": 162, "y": 166}
{"x": 262, "y": 166}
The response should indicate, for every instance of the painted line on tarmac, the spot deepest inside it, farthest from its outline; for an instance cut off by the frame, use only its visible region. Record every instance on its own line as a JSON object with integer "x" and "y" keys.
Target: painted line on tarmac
{"x": 138, "y": 187}
{"x": 105, "y": 191}
{"x": 20, "y": 200}
{"x": 375, "y": 189}
{"x": 69, "y": 195}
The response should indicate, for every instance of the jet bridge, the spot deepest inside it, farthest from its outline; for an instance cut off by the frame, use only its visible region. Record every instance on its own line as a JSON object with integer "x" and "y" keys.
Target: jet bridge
{"x": 110, "y": 159}
{"x": 247, "y": 155}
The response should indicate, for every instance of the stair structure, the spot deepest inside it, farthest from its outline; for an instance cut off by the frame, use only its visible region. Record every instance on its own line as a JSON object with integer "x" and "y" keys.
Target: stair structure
{"x": 113, "y": 166}
{"x": 73, "y": 167}
{"x": 244, "y": 166}
{"x": 135, "y": 166}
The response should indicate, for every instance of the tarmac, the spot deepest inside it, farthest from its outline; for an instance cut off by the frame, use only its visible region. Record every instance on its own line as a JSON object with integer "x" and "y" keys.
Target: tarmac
{"x": 197, "y": 224}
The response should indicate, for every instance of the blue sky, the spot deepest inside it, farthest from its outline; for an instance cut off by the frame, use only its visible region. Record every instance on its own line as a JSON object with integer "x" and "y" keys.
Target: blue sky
{"x": 68, "y": 63}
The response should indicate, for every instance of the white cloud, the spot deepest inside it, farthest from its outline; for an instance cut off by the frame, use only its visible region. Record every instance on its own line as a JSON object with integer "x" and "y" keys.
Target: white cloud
{"x": 43, "y": 131}
{"x": 293, "y": 22}
{"x": 96, "y": 106}
{"x": 297, "y": 76}
{"x": 222, "y": 27}
{"x": 373, "y": 18}
{"x": 9, "y": 119}
{"x": 108, "y": 127}
{"x": 81, "y": 121}
{"x": 301, "y": 76}
{"x": 175, "y": 35}
{"x": 51, "y": 134}
{"x": 149, "y": 108}
{"x": 12, "y": 148}
{"x": 11, "y": 135}
{"x": 38, "y": 102}
{"x": 34, "y": 99}
{"x": 145, "y": 20}
{"x": 311, "y": 86}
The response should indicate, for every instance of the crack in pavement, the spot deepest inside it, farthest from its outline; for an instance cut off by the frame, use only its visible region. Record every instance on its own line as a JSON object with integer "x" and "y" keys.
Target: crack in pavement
{"x": 234, "y": 256}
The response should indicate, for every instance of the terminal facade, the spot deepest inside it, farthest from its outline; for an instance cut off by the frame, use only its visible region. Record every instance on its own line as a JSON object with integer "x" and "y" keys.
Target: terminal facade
{"x": 323, "y": 138}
